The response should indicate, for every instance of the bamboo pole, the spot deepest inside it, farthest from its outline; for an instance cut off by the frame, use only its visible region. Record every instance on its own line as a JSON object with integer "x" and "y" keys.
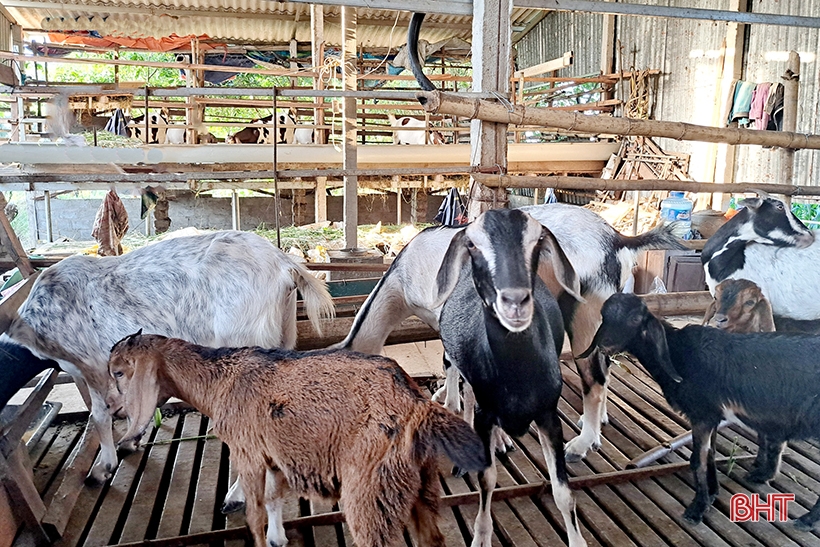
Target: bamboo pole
{"x": 482, "y": 109}
{"x": 790, "y": 92}
{"x": 586, "y": 183}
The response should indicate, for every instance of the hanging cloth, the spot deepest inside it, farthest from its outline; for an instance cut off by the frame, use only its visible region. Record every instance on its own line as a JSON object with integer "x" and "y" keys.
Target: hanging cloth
{"x": 452, "y": 211}
{"x": 110, "y": 225}
{"x": 757, "y": 113}
{"x": 116, "y": 124}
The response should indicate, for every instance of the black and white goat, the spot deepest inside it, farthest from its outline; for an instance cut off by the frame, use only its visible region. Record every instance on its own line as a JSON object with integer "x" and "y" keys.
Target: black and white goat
{"x": 768, "y": 381}
{"x": 601, "y": 257}
{"x": 765, "y": 243}
{"x": 503, "y": 330}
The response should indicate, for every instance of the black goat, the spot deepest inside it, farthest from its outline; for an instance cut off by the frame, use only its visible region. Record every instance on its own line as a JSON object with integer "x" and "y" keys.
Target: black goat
{"x": 503, "y": 330}
{"x": 768, "y": 381}
{"x": 17, "y": 366}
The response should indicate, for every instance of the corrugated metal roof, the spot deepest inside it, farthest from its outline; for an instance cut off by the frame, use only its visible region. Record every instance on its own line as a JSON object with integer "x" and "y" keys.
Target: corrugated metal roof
{"x": 256, "y": 21}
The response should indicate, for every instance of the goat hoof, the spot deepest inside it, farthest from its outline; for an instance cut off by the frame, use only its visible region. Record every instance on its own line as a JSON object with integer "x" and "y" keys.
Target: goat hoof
{"x": 232, "y": 507}
{"x": 693, "y": 515}
{"x": 803, "y": 525}
{"x": 95, "y": 480}
{"x": 759, "y": 476}
{"x": 572, "y": 457}
{"x": 458, "y": 472}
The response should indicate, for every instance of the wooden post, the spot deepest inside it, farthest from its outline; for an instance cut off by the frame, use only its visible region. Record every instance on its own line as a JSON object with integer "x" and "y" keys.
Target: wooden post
{"x": 317, "y": 41}
{"x": 235, "y": 220}
{"x": 294, "y": 52}
{"x": 492, "y": 44}
{"x": 418, "y": 206}
{"x": 299, "y": 207}
{"x": 49, "y": 224}
{"x": 732, "y": 70}
{"x": 320, "y": 200}
{"x": 790, "y": 92}
{"x": 351, "y": 182}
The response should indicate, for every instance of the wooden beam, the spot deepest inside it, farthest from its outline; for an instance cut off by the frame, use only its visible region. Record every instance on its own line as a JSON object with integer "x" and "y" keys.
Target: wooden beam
{"x": 673, "y": 12}
{"x": 550, "y": 66}
{"x": 350, "y": 161}
{"x": 481, "y": 109}
{"x": 443, "y": 7}
{"x": 586, "y": 183}
{"x": 10, "y": 242}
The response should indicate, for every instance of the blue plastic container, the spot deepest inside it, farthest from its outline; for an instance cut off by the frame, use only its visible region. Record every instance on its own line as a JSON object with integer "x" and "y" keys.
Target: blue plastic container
{"x": 678, "y": 209}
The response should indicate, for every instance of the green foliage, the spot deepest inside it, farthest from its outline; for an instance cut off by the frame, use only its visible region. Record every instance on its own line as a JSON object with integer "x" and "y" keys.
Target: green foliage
{"x": 807, "y": 212}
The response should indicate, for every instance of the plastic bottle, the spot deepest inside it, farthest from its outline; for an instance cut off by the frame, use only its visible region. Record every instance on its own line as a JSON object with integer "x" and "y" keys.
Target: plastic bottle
{"x": 677, "y": 208}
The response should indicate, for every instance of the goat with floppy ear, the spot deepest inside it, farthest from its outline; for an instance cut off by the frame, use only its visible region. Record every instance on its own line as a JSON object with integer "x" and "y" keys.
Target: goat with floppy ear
{"x": 768, "y": 381}
{"x": 739, "y": 306}
{"x": 503, "y": 330}
{"x": 294, "y": 421}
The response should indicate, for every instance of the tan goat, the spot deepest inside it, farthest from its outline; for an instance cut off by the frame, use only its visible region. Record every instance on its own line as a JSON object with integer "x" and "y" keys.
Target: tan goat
{"x": 335, "y": 424}
{"x": 740, "y": 306}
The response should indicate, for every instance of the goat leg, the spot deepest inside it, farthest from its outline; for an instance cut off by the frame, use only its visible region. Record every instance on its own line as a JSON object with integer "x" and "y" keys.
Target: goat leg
{"x": 594, "y": 372}
{"x": 701, "y": 436}
{"x": 807, "y": 521}
{"x": 483, "y": 531}
{"x": 767, "y": 461}
{"x": 550, "y": 437}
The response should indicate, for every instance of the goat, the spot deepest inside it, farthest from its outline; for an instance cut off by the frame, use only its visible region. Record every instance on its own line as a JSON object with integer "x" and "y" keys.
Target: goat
{"x": 218, "y": 289}
{"x": 503, "y": 330}
{"x": 602, "y": 258}
{"x": 739, "y": 306}
{"x": 768, "y": 381}
{"x": 158, "y": 126}
{"x": 409, "y": 136}
{"x": 765, "y": 243}
{"x": 289, "y": 132}
{"x": 337, "y": 424}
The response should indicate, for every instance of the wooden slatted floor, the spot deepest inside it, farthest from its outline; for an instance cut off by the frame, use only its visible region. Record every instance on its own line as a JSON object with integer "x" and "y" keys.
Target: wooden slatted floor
{"x": 176, "y": 487}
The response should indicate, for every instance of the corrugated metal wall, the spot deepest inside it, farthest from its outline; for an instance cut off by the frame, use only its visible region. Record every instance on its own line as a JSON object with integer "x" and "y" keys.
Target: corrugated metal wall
{"x": 689, "y": 55}
{"x": 768, "y": 48}
{"x": 560, "y": 32}
{"x": 5, "y": 34}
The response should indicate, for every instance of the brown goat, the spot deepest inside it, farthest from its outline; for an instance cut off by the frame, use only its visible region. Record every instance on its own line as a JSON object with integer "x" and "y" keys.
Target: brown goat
{"x": 740, "y": 306}
{"x": 334, "y": 424}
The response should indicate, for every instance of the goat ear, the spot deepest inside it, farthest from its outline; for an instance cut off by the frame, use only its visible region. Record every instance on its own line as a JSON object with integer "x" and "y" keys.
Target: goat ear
{"x": 655, "y": 336}
{"x": 764, "y": 310}
{"x": 710, "y": 312}
{"x": 752, "y": 203}
{"x": 454, "y": 258}
{"x": 562, "y": 268}
{"x": 141, "y": 396}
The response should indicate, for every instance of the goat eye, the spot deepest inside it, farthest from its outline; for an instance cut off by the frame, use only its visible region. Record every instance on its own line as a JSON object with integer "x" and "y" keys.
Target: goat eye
{"x": 118, "y": 374}
{"x": 779, "y": 206}
{"x": 470, "y": 245}
{"x": 750, "y": 302}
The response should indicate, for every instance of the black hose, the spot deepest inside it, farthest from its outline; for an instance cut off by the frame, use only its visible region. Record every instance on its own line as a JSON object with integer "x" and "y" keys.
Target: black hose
{"x": 413, "y": 50}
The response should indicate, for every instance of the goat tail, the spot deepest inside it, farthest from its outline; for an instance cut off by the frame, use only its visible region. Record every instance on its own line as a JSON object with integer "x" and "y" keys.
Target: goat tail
{"x": 660, "y": 237}
{"x": 455, "y": 438}
{"x": 317, "y": 299}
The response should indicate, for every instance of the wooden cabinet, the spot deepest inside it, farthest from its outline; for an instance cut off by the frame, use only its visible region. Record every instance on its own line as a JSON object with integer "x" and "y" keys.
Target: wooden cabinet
{"x": 680, "y": 271}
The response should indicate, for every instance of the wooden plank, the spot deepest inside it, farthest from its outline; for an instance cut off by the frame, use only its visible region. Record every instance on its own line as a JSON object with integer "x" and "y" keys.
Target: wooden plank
{"x": 205, "y": 503}
{"x": 549, "y": 66}
{"x": 116, "y": 503}
{"x": 70, "y": 485}
{"x": 61, "y": 441}
{"x": 171, "y": 521}
{"x": 145, "y": 498}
